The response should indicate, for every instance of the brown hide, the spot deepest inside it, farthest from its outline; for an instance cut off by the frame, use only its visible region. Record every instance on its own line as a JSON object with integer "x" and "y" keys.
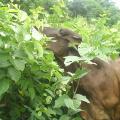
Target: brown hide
{"x": 101, "y": 86}
{"x": 59, "y": 44}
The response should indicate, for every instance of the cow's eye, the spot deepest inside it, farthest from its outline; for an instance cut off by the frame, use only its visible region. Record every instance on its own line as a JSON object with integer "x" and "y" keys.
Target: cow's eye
{"x": 63, "y": 32}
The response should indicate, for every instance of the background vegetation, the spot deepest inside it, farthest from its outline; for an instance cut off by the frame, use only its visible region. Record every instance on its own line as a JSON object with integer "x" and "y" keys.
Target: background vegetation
{"x": 32, "y": 85}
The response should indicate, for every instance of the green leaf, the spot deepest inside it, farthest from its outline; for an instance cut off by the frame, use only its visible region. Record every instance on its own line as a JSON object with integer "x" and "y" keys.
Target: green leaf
{"x": 33, "y": 112}
{"x": 22, "y": 16}
{"x": 2, "y": 73}
{"x": 4, "y": 59}
{"x": 36, "y": 35}
{"x": 39, "y": 113}
{"x": 4, "y": 64}
{"x": 4, "y": 85}
{"x": 20, "y": 54}
{"x": 29, "y": 48}
{"x": 81, "y": 98}
{"x": 4, "y": 55}
{"x": 50, "y": 112}
{"x": 64, "y": 117}
{"x": 79, "y": 73}
{"x": 77, "y": 103}
{"x": 69, "y": 103}
{"x": 84, "y": 49}
{"x": 27, "y": 36}
{"x": 39, "y": 49}
{"x": 48, "y": 99}
{"x": 14, "y": 74}
{"x": 1, "y": 43}
{"x": 2, "y": 34}
{"x": 70, "y": 59}
{"x": 50, "y": 92}
{"x": 31, "y": 92}
{"x": 19, "y": 64}
{"x": 60, "y": 101}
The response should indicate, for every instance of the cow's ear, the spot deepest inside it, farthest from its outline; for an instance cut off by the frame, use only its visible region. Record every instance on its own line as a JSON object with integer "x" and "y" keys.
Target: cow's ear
{"x": 51, "y": 32}
{"x": 99, "y": 63}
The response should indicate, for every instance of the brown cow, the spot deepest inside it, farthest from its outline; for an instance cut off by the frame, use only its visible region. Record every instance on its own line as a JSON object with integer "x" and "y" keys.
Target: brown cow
{"x": 101, "y": 86}
{"x": 60, "y": 45}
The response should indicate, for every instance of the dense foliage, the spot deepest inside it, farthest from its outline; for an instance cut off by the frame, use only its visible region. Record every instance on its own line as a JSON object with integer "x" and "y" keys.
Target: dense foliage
{"x": 86, "y": 8}
{"x": 94, "y": 8}
{"x": 30, "y": 79}
{"x": 32, "y": 85}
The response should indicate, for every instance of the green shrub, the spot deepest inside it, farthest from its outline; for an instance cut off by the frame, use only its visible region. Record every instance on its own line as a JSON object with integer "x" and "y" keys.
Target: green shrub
{"x": 32, "y": 86}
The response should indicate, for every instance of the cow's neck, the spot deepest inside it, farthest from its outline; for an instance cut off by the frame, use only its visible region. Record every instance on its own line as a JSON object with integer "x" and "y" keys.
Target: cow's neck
{"x": 71, "y": 68}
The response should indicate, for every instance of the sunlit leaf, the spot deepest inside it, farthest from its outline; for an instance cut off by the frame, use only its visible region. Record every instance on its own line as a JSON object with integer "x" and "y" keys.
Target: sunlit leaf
{"x": 36, "y": 35}
{"x": 69, "y": 103}
{"x": 31, "y": 92}
{"x": 19, "y": 64}
{"x": 81, "y": 98}
{"x": 70, "y": 59}
{"x": 4, "y": 85}
{"x": 14, "y": 74}
{"x": 22, "y": 15}
{"x": 60, "y": 101}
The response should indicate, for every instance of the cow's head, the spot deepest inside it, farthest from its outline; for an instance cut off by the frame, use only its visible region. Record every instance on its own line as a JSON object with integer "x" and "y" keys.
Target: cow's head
{"x": 61, "y": 40}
